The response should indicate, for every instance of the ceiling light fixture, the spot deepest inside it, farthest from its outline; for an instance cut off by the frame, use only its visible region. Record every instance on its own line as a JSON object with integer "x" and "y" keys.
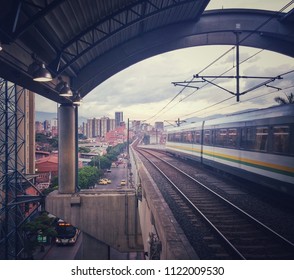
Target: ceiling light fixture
{"x": 38, "y": 70}
{"x": 77, "y": 99}
{"x": 63, "y": 88}
{"x": 65, "y": 91}
{"x": 42, "y": 74}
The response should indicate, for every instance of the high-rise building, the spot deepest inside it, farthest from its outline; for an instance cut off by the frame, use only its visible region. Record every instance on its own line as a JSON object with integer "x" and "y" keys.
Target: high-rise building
{"x": 104, "y": 126}
{"x": 111, "y": 125}
{"x": 54, "y": 122}
{"x": 84, "y": 129}
{"x": 97, "y": 128}
{"x": 89, "y": 132}
{"x": 118, "y": 118}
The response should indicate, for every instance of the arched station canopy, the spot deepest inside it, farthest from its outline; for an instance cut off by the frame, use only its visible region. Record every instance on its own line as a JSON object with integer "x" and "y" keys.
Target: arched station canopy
{"x": 88, "y": 41}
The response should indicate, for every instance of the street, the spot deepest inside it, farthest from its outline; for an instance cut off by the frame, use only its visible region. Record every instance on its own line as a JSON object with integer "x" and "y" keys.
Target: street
{"x": 116, "y": 175}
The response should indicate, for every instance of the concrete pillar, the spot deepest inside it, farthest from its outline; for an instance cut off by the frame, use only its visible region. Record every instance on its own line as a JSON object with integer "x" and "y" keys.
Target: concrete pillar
{"x": 66, "y": 149}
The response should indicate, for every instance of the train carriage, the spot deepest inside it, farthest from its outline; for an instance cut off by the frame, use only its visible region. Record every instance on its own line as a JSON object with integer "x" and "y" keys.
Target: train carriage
{"x": 256, "y": 145}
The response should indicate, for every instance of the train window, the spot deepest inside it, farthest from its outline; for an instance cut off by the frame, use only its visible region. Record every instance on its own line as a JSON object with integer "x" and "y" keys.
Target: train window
{"x": 261, "y": 138}
{"x": 174, "y": 137}
{"x": 197, "y": 137}
{"x": 177, "y": 137}
{"x": 232, "y": 137}
{"x": 207, "y": 138}
{"x": 247, "y": 138}
{"x": 281, "y": 141}
{"x": 187, "y": 137}
{"x": 221, "y": 137}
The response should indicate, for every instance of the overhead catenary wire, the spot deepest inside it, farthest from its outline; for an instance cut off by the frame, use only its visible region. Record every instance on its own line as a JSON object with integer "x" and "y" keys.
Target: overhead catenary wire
{"x": 255, "y": 97}
{"x": 206, "y": 84}
{"x": 225, "y": 53}
{"x": 258, "y": 52}
{"x": 250, "y": 99}
{"x": 170, "y": 101}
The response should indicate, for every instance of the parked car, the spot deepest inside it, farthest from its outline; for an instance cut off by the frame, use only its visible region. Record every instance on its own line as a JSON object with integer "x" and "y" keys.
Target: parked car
{"x": 123, "y": 182}
{"x": 102, "y": 182}
{"x": 107, "y": 180}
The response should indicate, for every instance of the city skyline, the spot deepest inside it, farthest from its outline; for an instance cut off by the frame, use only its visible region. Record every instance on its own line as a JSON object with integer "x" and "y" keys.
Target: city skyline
{"x": 144, "y": 91}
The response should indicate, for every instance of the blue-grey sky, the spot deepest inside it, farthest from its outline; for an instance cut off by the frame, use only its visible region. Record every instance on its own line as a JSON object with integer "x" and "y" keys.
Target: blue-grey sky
{"x": 142, "y": 90}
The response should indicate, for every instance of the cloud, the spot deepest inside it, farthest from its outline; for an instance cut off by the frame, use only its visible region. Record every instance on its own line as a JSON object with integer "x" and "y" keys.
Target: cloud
{"x": 144, "y": 89}
{"x": 248, "y": 4}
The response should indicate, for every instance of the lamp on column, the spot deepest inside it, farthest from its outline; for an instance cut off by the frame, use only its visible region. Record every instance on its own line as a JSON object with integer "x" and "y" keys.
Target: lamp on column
{"x": 77, "y": 99}
{"x": 63, "y": 88}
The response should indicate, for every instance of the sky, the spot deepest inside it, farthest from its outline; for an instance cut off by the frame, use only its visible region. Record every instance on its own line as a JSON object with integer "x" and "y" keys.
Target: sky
{"x": 144, "y": 91}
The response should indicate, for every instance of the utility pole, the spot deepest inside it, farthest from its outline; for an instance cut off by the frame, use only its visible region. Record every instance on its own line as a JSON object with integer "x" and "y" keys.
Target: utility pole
{"x": 211, "y": 78}
{"x": 238, "y": 26}
{"x": 128, "y": 136}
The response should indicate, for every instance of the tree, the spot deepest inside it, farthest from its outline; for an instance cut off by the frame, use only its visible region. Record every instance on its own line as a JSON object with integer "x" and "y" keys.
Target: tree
{"x": 41, "y": 138}
{"x": 118, "y": 149}
{"x": 42, "y": 225}
{"x": 53, "y": 142}
{"x": 84, "y": 150}
{"x": 100, "y": 162}
{"x": 288, "y": 100}
{"x": 88, "y": 176}
{"x": 111, "y": 156}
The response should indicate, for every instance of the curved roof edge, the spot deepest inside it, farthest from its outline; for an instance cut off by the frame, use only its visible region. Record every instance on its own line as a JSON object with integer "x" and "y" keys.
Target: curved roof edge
{"x": 258, "y": 28}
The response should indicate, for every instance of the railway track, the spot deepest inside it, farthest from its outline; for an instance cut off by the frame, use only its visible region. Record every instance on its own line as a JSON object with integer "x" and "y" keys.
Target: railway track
{"x": 224, "y": 230}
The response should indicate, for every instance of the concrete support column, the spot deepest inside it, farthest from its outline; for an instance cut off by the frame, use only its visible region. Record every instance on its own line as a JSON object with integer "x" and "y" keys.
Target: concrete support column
{"x": 66, "y": 150}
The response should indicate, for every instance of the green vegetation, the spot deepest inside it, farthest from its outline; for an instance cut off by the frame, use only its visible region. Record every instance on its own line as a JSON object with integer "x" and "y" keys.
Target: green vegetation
{"x": 116, "y": 150}
{"x": 53, "y": 142}
{"x": 46, "y": 143}
{"x": 288, "y": 100}
{"x": 41, "y": 138}
{"x": 84, "y": 150}
{"x": 104, "y": 162}
{"x": 88, "y": 176}
{"x": 42, "y": 226}
{"x": 101, "y": 162}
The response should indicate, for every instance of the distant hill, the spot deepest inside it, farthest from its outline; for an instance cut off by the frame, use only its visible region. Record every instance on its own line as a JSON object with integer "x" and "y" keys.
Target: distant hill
{"x": 43, "y": 116}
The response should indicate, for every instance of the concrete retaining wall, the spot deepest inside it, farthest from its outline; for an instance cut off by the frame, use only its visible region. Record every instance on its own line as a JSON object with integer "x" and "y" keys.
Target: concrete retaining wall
{"x": 108, "y": 216}
{"x": 157, "y": 220}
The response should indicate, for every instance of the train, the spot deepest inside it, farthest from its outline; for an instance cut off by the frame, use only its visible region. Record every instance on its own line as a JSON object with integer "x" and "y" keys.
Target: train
{"x": 257, "y": 145}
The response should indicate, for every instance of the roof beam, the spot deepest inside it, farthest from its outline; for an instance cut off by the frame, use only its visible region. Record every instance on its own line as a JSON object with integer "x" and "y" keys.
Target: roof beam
{"x": 32, "y": 20}
{"x": 111, "y": 28}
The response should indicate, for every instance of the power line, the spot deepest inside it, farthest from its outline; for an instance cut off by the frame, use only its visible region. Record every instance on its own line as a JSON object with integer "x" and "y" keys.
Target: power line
{"x": 217, "y": 59}
{"x": 170, "y": 101}
{"x": 256, "y": 97}
{"x": 258, "y": 52}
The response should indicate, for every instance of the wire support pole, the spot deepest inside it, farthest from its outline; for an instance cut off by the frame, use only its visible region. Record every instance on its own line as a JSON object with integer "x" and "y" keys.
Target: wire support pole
{"x": 237, "y": 66}
{"x": 237, "y": 76}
